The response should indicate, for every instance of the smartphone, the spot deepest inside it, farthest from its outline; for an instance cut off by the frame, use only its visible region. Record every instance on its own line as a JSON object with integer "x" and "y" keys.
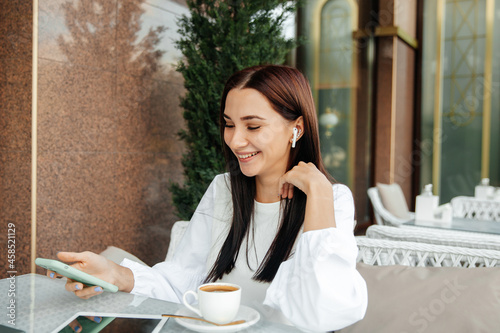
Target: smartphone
{"x": 74, "y": 274}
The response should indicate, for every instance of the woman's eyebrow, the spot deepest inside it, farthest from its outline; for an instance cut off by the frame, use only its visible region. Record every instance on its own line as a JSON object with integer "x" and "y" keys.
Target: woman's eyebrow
{"x": 245, "y": 118}
{"x": 251, "y": 117}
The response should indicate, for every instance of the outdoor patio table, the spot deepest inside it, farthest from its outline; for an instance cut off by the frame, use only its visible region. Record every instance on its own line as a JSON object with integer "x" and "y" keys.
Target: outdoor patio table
{"x": 42, "y": 305}
{"x": 489, "y": 227}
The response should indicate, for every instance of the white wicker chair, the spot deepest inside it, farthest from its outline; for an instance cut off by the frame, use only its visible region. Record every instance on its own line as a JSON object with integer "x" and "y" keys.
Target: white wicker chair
{"x": 178, "y": 230}
{"x": 117, "y": 255}
{"x": 477, "y": 209}
{"x": 472, "y": 240}
{"x": 382, "y": 215}
{"x": 383, "y": 252}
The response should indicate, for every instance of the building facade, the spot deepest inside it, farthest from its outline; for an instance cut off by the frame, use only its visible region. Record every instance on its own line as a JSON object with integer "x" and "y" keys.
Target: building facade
{"x": 407, "y": 91}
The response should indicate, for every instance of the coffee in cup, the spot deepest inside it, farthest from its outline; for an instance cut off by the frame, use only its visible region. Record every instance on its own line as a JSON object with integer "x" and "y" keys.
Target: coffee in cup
{"x": 217, "y": 302}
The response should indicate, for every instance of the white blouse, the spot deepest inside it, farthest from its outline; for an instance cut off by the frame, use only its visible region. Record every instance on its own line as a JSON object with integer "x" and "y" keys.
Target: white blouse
{"x": 317, "y": 289}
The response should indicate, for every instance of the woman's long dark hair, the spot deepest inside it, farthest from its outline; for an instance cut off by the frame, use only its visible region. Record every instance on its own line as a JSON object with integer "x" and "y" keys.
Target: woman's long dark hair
{"x": 289, "y": 94}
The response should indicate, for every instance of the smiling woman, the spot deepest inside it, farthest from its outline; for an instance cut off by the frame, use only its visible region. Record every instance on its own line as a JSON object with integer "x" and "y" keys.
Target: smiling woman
{"x": 275, "y": 224}
{"x": 258, "y": 136}
{"x": 260, "y": 107}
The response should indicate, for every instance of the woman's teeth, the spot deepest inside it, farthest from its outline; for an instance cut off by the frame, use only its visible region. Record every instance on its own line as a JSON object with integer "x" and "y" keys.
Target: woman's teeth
{"x": 248, "y": 155}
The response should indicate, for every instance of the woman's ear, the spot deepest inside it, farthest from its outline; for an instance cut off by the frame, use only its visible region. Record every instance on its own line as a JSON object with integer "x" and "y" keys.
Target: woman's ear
{"x": 299, "y": 124}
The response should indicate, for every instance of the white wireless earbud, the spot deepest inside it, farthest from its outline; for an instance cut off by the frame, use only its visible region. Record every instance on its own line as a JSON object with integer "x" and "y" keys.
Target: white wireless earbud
{"x": 295, "y": 134}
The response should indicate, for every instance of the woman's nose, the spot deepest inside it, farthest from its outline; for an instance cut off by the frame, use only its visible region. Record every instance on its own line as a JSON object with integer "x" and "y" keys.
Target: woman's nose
{"x": 238, "y": 139}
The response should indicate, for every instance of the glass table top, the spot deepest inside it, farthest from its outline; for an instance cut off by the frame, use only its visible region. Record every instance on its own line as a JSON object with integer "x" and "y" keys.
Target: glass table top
{"x": 43, "y": 305}
{"x": 461, "y": 224}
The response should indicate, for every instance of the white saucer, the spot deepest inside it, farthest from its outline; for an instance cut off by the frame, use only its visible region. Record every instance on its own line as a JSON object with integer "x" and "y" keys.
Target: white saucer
{"x": 246, "y": 313}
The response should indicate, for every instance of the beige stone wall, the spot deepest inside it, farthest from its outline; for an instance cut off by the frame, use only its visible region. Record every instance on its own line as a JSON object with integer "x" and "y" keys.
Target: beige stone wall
{"x": 15, "y": 135}
{"x": 107, "y": 117}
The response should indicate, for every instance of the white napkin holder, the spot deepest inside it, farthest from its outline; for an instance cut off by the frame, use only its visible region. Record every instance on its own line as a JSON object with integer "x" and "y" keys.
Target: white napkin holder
{"x": 484, "y": 191}
{"x": 428, "y": 211}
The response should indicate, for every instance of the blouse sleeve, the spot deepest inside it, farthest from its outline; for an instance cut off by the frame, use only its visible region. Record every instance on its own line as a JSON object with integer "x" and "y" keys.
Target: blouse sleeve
{"x": 319, "y": 288}
{"x": 169, "y": 280}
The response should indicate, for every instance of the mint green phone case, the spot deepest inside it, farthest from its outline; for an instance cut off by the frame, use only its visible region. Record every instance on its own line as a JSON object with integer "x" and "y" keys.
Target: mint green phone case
{"x": 74, "y": 274}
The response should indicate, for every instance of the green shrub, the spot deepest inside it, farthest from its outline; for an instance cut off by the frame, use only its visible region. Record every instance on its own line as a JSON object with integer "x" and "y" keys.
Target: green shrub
{"x": 217, "y": 39}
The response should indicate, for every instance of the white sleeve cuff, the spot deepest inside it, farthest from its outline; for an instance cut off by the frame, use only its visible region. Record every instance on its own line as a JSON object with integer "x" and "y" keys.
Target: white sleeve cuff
{"x": 149, "y": 282}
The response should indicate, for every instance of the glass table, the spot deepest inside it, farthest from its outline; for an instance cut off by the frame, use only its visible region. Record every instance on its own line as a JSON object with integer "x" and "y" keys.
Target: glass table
{"x": 489, "y": 227}
{"x": 36, "y": 303}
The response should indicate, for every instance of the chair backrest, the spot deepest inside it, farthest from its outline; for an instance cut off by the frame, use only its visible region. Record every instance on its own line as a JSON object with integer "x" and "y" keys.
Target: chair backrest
{"x": 472, "y": 240}
{"x": 116, "y": 255}
{"x": 178, "y": 230}
{"x": 382, "y": 215}
{"x": 477, "y": 209}
{"x": 384, "y": 252}
{"x": 376, "y": 204}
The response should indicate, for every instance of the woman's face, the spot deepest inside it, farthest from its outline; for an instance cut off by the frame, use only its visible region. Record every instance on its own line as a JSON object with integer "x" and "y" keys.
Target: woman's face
{"x": 258, "y": 136}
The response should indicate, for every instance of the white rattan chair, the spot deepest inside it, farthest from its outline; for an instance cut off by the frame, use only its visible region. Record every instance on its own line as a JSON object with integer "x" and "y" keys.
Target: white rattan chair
{"x": 117, "y": 255}
{"x": 178, "y": 230}
{"x": 477, "y": 209}
{"x": 384, "y": 252}
{"x": 382, "y": 215}
{"x": 472, "y": 240}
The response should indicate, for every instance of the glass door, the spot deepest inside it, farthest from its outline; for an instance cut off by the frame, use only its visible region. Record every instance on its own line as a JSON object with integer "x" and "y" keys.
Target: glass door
{"x": 460, "y": 95}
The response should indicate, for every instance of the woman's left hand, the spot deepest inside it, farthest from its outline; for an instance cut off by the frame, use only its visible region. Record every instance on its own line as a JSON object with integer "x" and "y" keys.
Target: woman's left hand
{"x": 319, "y": 208}
{"x": 306, "y": 177}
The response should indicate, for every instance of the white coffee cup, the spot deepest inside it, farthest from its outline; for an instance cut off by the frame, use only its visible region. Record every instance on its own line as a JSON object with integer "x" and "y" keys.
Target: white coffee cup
{"x": 217, "y": 302}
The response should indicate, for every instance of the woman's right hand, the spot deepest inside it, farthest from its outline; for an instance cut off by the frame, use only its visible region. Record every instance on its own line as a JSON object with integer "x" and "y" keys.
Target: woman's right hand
{"x": 98, "y": 266}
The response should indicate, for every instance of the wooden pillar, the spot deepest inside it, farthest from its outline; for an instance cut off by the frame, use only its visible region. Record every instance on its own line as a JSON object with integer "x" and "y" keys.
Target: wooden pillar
{"x": 395, "y": 94}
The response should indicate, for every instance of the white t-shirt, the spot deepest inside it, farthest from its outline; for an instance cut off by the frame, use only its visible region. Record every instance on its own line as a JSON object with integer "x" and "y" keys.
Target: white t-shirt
{"x": 318, "y": 288}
